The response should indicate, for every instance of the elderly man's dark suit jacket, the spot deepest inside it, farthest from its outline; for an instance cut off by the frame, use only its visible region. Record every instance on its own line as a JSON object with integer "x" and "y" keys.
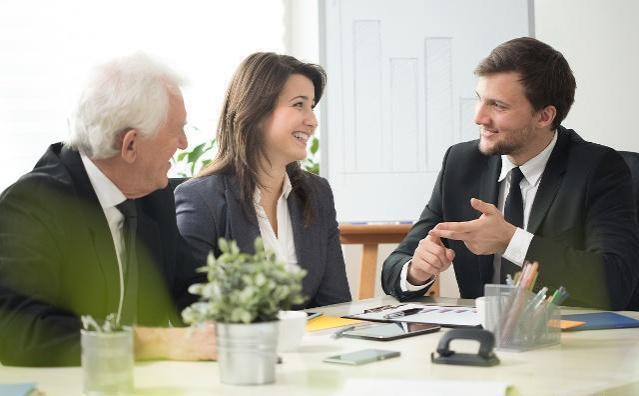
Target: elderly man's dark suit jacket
{"x": 583, "y": 219}
{"x": 209, "y": 208}
{"x": 58, "y": 261}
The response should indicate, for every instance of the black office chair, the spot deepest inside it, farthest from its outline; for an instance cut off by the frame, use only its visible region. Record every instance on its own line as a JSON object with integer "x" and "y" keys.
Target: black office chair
{"x": 632, "y": 159}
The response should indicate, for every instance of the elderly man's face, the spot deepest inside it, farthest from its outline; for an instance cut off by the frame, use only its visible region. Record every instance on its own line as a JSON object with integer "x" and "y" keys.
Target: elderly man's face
{"x": 155, "y": 152}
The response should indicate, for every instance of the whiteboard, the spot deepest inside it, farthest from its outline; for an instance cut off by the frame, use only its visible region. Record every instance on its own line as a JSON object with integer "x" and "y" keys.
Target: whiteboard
{"x": 400, "y": 92}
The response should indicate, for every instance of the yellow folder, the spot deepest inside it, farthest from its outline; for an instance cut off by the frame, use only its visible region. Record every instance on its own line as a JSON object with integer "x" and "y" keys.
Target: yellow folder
{"x": 329, "y": 322}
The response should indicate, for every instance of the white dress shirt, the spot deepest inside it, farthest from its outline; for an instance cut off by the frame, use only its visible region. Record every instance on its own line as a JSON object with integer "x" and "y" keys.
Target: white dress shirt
{"x": 533, "y": 169}
{"x": 282, "y": 244}
{"x": 519, "y": 243}
{"x": 109, "y": 196}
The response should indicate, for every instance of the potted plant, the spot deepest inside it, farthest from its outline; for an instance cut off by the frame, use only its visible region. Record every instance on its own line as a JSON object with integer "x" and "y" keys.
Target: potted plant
{"x": 243, "y": 295}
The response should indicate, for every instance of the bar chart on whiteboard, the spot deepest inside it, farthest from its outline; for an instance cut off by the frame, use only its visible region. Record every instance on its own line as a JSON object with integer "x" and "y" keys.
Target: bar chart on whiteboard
{"x": 400, "y": 92}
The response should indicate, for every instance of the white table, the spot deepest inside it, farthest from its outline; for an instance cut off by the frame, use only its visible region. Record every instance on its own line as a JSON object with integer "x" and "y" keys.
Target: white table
{"x": 586, "y": 362}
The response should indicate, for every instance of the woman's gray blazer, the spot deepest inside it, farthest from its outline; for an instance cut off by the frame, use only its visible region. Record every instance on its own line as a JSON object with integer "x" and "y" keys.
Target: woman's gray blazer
{"x": 209, "y": 208}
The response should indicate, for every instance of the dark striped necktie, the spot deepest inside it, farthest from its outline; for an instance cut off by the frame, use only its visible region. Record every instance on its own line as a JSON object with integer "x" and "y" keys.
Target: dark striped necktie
{"x": 129, "y": 264}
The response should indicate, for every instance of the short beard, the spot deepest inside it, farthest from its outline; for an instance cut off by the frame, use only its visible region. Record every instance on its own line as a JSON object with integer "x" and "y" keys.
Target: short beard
{"x": 498, "y": 149}
{"x": 515, "y": 144}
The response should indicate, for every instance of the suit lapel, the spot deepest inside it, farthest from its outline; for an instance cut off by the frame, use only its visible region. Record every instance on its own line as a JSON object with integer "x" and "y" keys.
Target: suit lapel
{"x": 238, "y": 226}
{"x": 550, "y": 182}
{"x": 93, "y": 217}
{"x": 306, "y": 241}
{"x": 488, "y": 190}
{"x": 146, "y": 283}
{"x": 488, "y": 186}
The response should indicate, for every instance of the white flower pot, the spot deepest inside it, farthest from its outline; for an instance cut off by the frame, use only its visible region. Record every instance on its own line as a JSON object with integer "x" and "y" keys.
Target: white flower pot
{"x": 246, "y": 353}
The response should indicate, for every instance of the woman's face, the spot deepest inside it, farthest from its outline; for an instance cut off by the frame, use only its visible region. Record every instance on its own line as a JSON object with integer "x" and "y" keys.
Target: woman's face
{"x": 292, "y": 123}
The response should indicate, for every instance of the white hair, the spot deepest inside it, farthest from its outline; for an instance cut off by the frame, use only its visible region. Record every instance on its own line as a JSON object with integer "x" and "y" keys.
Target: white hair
{"x": 128, "y": 92}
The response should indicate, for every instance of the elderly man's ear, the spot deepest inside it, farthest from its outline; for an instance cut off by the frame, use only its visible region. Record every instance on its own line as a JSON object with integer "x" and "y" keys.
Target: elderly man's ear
{"x": 128, "y": 150}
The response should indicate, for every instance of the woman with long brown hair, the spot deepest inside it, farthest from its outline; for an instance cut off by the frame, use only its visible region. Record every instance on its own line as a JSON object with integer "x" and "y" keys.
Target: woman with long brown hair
{"x": 255, "y": 187}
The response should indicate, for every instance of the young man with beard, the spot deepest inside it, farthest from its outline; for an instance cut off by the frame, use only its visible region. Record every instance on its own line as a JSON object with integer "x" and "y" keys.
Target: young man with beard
{"x": 527, "y": 190}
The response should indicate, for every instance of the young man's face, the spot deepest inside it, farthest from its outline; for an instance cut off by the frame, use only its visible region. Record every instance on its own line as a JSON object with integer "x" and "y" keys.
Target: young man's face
{"x": 506, "y": 119}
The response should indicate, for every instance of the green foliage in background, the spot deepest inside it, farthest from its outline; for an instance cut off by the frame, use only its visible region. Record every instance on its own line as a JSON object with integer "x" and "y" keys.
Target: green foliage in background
{"x": 190, "y": 162}
{"x": 311, "y": 163}
{"x": 244, "y": 288}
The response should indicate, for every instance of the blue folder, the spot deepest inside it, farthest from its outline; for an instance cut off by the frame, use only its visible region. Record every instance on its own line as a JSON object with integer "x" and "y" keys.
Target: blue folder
{"x": 602, "y": 320}
{"x": 17, "y": 389}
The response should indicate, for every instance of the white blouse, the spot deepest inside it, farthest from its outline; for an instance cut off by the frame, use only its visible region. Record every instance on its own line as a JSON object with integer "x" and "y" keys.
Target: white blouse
{"x": 283, "y": 244}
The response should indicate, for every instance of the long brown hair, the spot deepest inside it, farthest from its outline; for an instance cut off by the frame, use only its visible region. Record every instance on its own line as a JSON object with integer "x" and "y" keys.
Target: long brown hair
{"x": 250, "y": 98}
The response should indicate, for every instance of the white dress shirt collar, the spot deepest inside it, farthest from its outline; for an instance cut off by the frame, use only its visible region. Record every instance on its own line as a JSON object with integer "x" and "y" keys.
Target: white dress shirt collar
{"x": 108, "y": 194}
{"x": 533, "y": 168}
{"x": 286, "y": 190}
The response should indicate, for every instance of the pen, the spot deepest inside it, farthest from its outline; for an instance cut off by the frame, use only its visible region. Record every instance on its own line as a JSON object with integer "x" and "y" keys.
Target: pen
{"x": 339, "y": 333}
{"x": 539, "y": 297}
{"x": 405, "y": 312}
{"x": 313, "y": 315}
{"x": 553, "y": 299}
{"x": 562, "y": 298}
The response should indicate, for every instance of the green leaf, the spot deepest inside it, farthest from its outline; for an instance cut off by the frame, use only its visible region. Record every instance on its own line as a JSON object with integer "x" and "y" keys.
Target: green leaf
{"x": 314, "y": 145}
{"x": 223, "y": 245}
{"x": 245, "y": 288}
{"x": 196, "y": 152}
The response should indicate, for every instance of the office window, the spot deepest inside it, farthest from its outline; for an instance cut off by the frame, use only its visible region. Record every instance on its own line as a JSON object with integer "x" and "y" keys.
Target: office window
{"x": 46, "y": 47}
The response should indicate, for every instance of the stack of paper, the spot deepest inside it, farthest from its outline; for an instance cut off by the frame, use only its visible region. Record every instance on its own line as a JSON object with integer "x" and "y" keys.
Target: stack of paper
{"x": 419, "y": 388}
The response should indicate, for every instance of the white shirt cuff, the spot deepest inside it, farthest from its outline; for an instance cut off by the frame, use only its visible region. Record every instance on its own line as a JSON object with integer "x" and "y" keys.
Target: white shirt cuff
{"x": 406, "y": 286}
{"x": 518, "y": 247}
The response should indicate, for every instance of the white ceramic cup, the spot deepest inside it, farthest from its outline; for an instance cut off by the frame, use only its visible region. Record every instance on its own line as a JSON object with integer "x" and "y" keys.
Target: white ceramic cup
{"x": 480, "y": 304}
{"x": 291, "y": 331}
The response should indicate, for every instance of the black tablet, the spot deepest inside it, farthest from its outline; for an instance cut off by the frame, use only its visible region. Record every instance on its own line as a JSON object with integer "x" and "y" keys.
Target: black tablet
{"x": 390, "y": 331}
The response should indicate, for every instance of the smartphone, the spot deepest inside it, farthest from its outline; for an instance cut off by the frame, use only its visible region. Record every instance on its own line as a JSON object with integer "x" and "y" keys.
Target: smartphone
{"x": 362, "y": 357}
{"x": 391, "y": 331}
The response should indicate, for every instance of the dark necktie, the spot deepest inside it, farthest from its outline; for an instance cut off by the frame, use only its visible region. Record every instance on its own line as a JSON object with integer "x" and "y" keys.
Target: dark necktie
{"x": 514, "y": 214}
{"x": 129, "y": 264}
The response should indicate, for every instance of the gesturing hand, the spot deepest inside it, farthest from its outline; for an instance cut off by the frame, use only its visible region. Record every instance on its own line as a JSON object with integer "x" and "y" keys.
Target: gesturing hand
{"x": 430, "y": 258}
{"x": 489, "y": 234}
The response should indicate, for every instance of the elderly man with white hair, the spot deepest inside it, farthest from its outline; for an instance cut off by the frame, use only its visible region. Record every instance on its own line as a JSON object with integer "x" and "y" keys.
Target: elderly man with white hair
{"x": 91, "y": 230}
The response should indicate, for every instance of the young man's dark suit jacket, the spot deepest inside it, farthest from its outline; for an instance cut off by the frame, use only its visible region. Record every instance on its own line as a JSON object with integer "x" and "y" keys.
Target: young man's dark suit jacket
{"x": 209, "y": 208}
{"x": 583, "y": 219}
{"x": 58, "y": 261}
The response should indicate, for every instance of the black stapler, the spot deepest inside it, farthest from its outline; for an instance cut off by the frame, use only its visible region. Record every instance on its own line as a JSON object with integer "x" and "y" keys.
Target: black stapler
{"x": 485, "y": 357}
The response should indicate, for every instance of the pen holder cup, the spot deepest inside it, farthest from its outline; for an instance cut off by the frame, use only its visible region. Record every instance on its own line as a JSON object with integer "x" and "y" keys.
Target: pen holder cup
{"x": 520, "y": 321}
{"x": 107, "y": 362}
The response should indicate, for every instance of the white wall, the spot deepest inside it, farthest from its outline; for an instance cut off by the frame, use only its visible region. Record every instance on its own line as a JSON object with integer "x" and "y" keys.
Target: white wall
{"x": 47, "y": 47}
{"x": 600, "y": 40}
